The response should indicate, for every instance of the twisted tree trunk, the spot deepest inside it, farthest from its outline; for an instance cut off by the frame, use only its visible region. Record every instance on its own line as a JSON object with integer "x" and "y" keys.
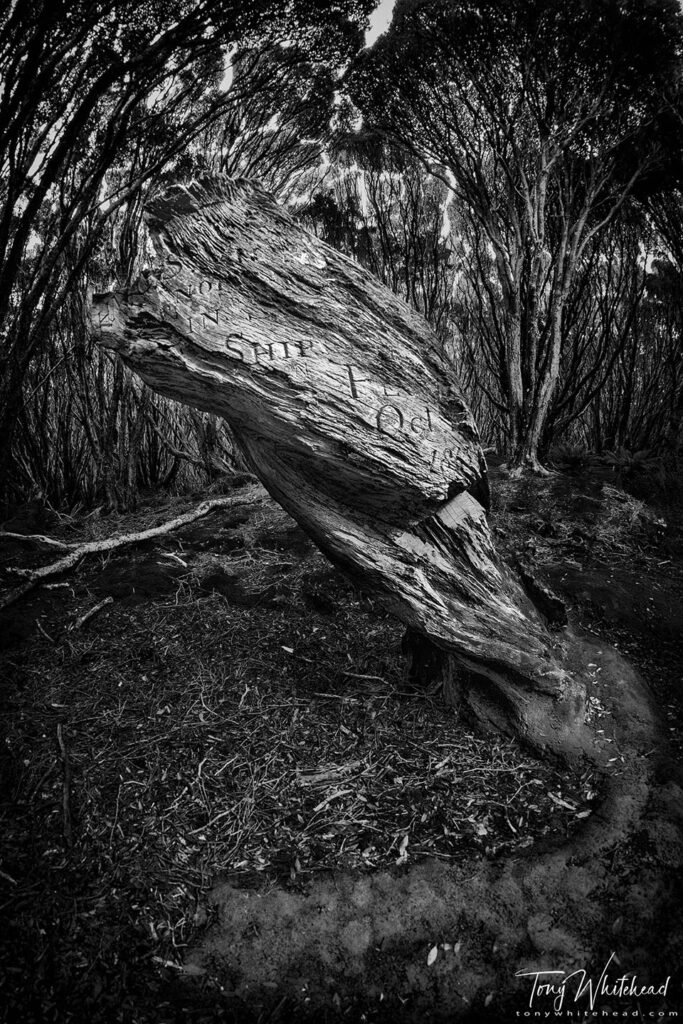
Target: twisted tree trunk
{"x": 344, "y": 405}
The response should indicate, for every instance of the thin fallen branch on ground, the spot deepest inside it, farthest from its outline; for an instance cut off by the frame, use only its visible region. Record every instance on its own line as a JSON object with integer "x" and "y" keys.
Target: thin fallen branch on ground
{"x": 34, "y": 577}
{"x": 87, "y": 616}
{"x": 36, "y": 538}
{"x": 66, "y": 789}
{"x": 43, "y": 632}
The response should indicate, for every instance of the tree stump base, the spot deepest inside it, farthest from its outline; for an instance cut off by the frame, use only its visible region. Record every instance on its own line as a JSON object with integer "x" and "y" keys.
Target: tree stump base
{"x": 430, "y": 669}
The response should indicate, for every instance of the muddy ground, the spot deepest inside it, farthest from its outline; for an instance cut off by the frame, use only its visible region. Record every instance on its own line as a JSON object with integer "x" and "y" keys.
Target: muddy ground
{"x": 222, "y": 800}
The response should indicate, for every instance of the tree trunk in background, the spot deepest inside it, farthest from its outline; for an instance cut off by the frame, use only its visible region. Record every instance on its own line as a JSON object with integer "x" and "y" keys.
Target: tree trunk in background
{"x": 346, "y": 409}
{"x": 530, "y": 386}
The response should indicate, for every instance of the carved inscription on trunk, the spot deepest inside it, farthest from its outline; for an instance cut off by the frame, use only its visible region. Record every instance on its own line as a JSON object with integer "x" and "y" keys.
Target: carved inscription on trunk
{"x": 346, "y": 407}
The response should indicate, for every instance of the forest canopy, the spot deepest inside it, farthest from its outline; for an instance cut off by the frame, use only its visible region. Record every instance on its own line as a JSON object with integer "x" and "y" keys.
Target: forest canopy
{"x": 544, "y": 120}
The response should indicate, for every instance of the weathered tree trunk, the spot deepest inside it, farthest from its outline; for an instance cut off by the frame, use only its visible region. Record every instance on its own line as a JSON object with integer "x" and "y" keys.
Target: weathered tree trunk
{"x": 344, "y": 405}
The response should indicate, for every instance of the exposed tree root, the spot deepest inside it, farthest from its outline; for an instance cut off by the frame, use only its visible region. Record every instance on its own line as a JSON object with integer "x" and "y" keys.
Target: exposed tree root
{"x": 559, "y": 907}
{"x": 528, "y": 466}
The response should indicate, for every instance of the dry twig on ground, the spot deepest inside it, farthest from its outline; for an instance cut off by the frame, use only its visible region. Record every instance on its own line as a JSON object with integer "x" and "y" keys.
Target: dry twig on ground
{"x": 34, "y": 577}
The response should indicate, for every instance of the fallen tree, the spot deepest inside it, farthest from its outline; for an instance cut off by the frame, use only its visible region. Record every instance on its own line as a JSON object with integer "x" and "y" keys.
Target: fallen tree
{"x": 346, "y": 408}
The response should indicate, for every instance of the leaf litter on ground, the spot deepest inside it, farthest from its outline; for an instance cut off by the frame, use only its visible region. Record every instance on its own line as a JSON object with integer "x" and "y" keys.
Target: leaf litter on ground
{"x": 251, "y": 735}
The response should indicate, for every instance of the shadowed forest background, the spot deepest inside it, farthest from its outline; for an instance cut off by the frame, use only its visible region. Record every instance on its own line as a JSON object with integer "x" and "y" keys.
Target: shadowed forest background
{"x": 226, "y": 796}
{"x": 511, "y": 171}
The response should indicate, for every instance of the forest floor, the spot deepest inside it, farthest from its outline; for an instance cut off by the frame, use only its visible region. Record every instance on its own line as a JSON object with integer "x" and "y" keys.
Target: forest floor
{"x": 222, "y": 801}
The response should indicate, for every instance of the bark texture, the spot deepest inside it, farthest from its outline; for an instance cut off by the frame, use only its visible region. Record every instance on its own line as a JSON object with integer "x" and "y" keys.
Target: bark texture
{"x": 344, "y": 405}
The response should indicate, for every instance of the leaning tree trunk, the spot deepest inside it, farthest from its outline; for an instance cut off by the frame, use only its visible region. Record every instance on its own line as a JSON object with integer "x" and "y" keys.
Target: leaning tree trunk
{"x": 346, "y": 408}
